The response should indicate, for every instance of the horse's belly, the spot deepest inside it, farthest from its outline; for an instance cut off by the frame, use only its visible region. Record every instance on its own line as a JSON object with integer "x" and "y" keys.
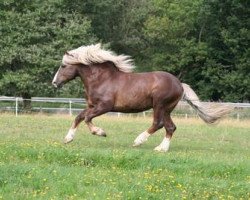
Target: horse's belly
{"x": 128, "y": 104}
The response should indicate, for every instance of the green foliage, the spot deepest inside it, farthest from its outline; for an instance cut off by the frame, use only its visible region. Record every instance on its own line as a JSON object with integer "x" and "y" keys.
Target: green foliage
{"x": 33, "y": 41}
{"x": 118, "y": 23}
{"x": 205, "y": 43}
{"x": 225, "y": 30}
{"x": 170, "y": 27}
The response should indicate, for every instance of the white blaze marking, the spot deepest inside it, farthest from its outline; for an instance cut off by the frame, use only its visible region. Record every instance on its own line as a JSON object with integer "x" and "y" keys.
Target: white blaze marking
{"x": 164, "y": 146}
{"x": 55, "y": 77}
{"x": 141, "y": 138}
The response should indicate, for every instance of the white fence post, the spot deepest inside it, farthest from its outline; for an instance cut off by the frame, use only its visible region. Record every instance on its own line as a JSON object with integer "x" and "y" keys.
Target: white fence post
{"x": 238, "y": 117}
{"x": 70, "y": 109}
{"x": 16, "y": 106}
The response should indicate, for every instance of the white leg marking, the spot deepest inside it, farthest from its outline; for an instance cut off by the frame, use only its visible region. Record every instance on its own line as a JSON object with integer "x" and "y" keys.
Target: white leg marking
{"x": 70, "y": 136}
{"x": 141, "y": 138}
{"x": 98, "y": 131}
{"x": 164, "y": 146}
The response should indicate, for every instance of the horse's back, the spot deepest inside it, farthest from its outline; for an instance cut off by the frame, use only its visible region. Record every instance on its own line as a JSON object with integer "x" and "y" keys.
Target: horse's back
{"x": 139, "y": 91}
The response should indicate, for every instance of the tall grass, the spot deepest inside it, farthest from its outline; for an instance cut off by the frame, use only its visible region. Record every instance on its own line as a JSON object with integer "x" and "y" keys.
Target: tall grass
{"x": 204, "y": 162}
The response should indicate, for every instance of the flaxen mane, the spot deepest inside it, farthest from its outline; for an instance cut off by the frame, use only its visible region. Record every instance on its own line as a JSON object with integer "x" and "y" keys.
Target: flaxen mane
{"x": 95, "y": 54}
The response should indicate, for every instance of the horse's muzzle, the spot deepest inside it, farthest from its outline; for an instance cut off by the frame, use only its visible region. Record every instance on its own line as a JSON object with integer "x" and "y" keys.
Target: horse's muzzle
{"x": 56, "y": 85}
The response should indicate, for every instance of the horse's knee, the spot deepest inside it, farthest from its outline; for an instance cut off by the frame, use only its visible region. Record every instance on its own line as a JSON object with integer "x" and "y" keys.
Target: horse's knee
{"x": 158, "y": 124}
{"x": 79, "y": 118}
{"x": 161, "y": 124}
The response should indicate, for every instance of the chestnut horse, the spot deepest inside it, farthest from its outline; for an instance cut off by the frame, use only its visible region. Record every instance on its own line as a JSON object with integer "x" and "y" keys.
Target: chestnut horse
{"x": 111, "y": 85}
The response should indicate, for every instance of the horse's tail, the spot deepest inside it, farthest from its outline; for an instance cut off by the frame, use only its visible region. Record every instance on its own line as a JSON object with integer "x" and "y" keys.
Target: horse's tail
{"x": 209, "y": 113}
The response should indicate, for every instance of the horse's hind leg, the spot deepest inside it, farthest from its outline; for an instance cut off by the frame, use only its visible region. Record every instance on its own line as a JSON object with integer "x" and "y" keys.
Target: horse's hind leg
{"x": 170, "y": 128}
{"x": 70, "y": 135}
{"x": 157, "y": 124}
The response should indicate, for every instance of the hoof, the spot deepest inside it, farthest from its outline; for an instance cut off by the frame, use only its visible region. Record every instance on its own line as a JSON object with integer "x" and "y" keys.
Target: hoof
{"x": 67, "y": 140}
{"x": 101, "y": 135}
{"x": 136, "y": 144}
{"x": 160, "y": 149}
{"x": 143, "y": 137}
{"x": 99, "y": 132}
{"x": 104, "y": 135}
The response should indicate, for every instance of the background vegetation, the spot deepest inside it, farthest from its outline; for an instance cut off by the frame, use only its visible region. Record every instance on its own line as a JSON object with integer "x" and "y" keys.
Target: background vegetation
{"x": 203, "y": 42}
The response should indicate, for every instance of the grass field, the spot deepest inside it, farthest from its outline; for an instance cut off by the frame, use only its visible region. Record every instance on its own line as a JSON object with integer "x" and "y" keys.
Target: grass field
{"x": 204, "y": 162}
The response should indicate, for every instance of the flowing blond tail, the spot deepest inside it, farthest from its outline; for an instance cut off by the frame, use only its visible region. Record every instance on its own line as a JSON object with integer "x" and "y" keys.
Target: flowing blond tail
{"x": 210, "y": 113}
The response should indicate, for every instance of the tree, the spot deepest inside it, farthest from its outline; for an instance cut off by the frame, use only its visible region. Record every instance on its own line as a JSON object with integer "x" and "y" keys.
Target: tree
{"x": 226, "y": 33}
{"x": 34, "y": 36}
{"x": 205, "y": 43}
{"x": 117, "y": 23}
{"x": 170, "y": 30}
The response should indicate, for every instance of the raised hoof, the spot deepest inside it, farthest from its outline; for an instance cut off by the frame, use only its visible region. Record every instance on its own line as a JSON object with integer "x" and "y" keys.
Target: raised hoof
{"x": 101, "y": 135}
{"x": 99, "y": 132}
{"x": 104, "y": 135}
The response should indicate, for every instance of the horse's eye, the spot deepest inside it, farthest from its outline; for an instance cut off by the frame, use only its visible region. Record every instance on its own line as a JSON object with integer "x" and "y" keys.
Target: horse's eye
{"x": 63, "y": 66}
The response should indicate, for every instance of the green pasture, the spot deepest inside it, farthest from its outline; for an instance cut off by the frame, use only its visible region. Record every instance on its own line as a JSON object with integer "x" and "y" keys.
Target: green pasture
{"x": 204, "y": 162}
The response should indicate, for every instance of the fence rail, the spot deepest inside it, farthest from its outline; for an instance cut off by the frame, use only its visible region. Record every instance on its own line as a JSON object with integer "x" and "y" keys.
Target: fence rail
{"x": 75, "y": 105}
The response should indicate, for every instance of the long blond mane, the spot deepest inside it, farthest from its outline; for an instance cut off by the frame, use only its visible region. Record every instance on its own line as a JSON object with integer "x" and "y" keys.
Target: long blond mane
{"x": 95, "y": 54}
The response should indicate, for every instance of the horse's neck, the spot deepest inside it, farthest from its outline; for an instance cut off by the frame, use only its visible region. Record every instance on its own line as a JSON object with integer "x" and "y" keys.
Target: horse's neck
{"x": 95, "y": 75}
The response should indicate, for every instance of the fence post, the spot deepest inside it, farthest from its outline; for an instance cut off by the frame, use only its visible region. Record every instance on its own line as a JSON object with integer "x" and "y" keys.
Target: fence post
{"x": 238, "y": 117}
{"x": 16, "y": 106}
{"x": 70, "y": 109}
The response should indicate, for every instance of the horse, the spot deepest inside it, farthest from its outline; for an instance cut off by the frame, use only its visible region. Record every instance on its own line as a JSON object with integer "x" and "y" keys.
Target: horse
{"x": 112, "y": 86}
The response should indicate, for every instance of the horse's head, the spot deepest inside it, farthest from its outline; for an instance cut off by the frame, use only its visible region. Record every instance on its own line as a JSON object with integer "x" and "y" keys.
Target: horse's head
{"x": 64, "y": 74}
{"x": 67, "y": 71}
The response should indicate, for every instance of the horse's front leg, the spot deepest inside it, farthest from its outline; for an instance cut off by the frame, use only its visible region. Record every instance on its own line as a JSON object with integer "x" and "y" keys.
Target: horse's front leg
{"x": 70, "y": 136}
{"x": 94, "y": 112}
{"x": 96, "y": 130}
